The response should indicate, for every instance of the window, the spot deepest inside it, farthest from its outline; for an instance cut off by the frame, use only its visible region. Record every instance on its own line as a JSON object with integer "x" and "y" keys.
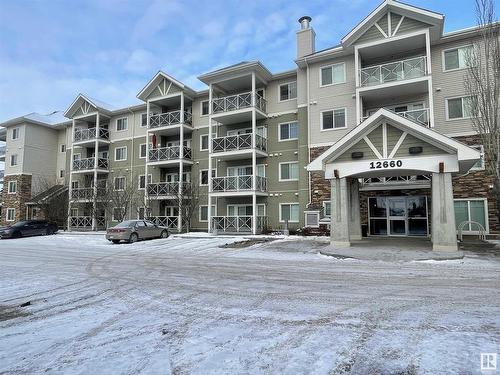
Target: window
{"x": 204, "y": 176}
{"x": 61, "y": 173}
{"x": 11, "y": 214}
{"x": 289, "y": 171}
{"x": 119, "y": 183}
{"x": 118, "y": 213}
{"x": 121, "y": 124}
{"x": 289, "y": 131}
{"x": 12, "y": 187}
{"x": 142, "y": 150}
{"x": 121, "y": 153}
{"x": 142, "y": 181}
{"x": 479, "y": 166}
{"x": 13, "y": 160}
{"x": 288, "y": 91}
{"x": 204, "y": 108}
{"x": 74, "y": 184}
{"x": 74, "y": 212}
{"x": 459, "y": 108}
{"x": 77, "y": 157}
{"x": 333, "y": 74}
{"x": 204, "y": 142}
{"x": 16, "y": 132}
{"x": 289, "y": 212}
{"x": 327, "y": 208}
{"x": 456, "y": 58}
{"x": 203, "y": 214}
{"x": 333, "y": 119}
{"x": 144, "y": 119}
{"x": 63, "y": 148}
{"x": 141, "y": 213}
{"x": 471, "y": 210}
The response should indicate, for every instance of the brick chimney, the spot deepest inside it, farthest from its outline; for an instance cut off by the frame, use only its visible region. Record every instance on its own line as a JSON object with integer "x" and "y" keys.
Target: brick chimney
{"x": 305, "y": 37}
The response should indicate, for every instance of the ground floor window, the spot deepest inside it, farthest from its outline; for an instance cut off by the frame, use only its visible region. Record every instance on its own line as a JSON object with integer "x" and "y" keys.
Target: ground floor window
{"x": 327, "y": 208}
{"x": 11, "y": 214}
{"x": 245, "y": 210}
{"x": 289, "y": 212}
{"x": 475, "y": 210}
{"x": 203, "y": 214}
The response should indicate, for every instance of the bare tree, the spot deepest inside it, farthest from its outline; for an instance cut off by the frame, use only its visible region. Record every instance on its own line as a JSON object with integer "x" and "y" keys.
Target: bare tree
{"x": 187, "y": 199}
{"x": 482, "y": 83}
{"x": 51, "y": 199}
{"x": 120, "y": 197}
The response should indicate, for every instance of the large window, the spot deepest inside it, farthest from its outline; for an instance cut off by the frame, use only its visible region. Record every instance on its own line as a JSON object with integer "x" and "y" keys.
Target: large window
{"x": 289, "y": 171}
{"x": 121, "y": 153}
{"x": 142, "y": 181}
{"x": 204, "y": 142}
{"x": 11, "y": 214}
{"x": 459, "y": 108}
{"x": 289, "y": 212}
{"x": 12, "y": 187}
{"x": 333, "y": 119}
{"x": 471, "y": 210}
{"x": 121, "y": 124}
{"x": 288, "y": 91}
{"x": 119, "y": 183}
{"x": 289, "y": 131}
{"x": 457, "y": 58}
{"x": 205, "y": 107}
{"x": 143, "y": 150}
{"x": 333, "y": 74}
{"x": 144, "y": 119}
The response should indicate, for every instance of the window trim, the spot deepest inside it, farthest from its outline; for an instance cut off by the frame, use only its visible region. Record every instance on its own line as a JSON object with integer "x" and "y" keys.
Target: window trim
{"x": 126, "y": 127}
{"x": 126, "y": 153}
{"x": 279, "y": 171}
{"x": 201, "y": 142}
{"x": 201, "y": 108}
{"x": 447, "y": 112}
{"x": 18, "y": 133}
{"x": 288, "y": 204}
{"x": 324, "y": 208}
{"x": 486, "y": 216}
{"x": 329, "y": 66}
{"x": 146, "y": 182}
{"x": 199, "y": 212}
{"x": 10, "y": 209}
{"x": 124, "y": 185}
{"x": 140, "y": 149}
{"x": 279, "y": 91}
{"x": 443, "y": 60}
{"x": 208, "y": 182}
{"x": 17, "y": 160}
{"x": 9, "y": 191}
{"x": 333, "y": 113}
{"x": 279, "y": 131}
{"x": 483, "y": 164}
{"x": 146, "y": 124}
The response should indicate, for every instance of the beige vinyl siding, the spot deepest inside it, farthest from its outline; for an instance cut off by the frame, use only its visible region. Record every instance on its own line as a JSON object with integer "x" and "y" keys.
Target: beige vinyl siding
{"x": 384, "y": 23}
{"x": 360, "y": 146}
{"x": 411, "y": 141}
{"x": 370, "y": 35}
{"x": 15, "y": 147}
{"x": 409, "y": 25}
{"x": 199, "y": 121}
{"x": 395, "y": 18}
{"x": 272, "y": 97}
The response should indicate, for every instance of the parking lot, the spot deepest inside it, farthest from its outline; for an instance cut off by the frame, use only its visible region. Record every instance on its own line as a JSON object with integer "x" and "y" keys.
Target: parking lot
{"x": 78, "y": 304}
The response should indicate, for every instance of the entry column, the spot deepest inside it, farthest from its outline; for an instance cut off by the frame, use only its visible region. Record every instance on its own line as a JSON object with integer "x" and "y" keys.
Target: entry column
{"x": 443, "y": 234}
{"x": 354, "y": 212}
{"x": 339, "y": 231}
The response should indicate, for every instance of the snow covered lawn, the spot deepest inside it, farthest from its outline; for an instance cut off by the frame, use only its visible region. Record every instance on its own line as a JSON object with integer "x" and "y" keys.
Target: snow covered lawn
{"x": 186, "y": 305}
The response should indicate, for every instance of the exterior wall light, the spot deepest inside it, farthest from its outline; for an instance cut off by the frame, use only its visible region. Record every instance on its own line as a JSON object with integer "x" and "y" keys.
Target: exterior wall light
{"x": 415, "y": 150}
{"x": 357, "y": 155}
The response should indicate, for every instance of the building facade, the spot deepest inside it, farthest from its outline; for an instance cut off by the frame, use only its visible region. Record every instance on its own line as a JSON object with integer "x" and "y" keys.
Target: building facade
{"x": 256, "y": 151}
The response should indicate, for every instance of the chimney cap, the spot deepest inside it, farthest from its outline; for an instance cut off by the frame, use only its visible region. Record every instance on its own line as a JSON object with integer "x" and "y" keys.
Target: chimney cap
{"x": 307, "y": 18}
{"x": 304, "y": 22}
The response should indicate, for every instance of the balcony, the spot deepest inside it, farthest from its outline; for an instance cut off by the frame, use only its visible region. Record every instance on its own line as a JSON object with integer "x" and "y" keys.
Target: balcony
{"x": 238, "y": 184}
{"x": 169, "y": 119}
{"x": 86, "y": 193}
{"x": 237, "y": 224}
{"x": 170, "y": 222}
{"x": 91, "y": 134}
{"x": 88, "y": 164}
{"x": 421, "y": 116}
{"x": 395, "y": 71}
{"x": 238, "y": 144}
{"x": 85, "y": 222}
{"x": 168, "y": 189}
{"x": 232, "y": 109}
{"x": 168, "y": 154}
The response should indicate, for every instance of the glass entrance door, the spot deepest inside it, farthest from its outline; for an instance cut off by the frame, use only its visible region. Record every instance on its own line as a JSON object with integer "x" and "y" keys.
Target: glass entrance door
{"x": 397, "y": 216}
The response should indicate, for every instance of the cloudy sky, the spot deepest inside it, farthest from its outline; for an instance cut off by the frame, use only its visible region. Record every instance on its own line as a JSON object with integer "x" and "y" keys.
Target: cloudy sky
{"x": 50, "y": 50}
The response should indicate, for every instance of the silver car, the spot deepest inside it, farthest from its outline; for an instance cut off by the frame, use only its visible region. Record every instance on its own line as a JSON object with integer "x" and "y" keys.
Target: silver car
{"x": 135, "y": 230}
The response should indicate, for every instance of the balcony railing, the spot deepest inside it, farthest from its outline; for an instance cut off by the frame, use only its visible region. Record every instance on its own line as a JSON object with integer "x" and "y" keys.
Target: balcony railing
{"x": 90, "y": 134}
{"x": 238, "y": 183}
{"x": 86, "y": 193}
{"x": 169, "y": 118}
{"x": 168, "y": 153}
{"x": 86, "y": 222}
{"x": 397, "y": 180}
{"x": 238, "y": 142}
{"x": 415, "y": 67}
{"x": 168, "y": 189}
{"x": 237, "y": 224}
{"x": 238, "y": 101}
{"x": 89, "y": 163}
{"x": 422, "y": 116}
{"x": 165, "y": 221}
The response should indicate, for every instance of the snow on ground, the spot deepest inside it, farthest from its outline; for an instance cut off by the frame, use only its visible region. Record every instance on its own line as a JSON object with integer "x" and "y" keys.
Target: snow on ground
{"x": 186, "y": 305}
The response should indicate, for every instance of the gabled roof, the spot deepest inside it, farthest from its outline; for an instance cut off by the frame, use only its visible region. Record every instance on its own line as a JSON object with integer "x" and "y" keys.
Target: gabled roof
{"x": 151, "y": 85}
{"x": 99, "y": 105}
{"x": 52, "y": 119}
{"x": 466, "y": 155}
{"x": 420, "y": 14}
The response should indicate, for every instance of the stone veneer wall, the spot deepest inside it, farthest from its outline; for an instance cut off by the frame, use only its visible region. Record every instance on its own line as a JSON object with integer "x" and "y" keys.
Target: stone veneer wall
{"x": 18, "y": 200}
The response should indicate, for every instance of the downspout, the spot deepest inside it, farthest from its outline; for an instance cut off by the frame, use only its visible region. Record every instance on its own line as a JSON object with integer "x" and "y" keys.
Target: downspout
{"x": 308, "y": 129}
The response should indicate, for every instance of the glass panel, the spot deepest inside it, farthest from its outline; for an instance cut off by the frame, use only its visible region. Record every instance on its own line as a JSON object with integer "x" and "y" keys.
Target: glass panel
{"x": 284, "y": 92}
{"x": 397, "y": 207}
{"x": 261, "y": 170}
{"x": 339, "y": 115}
{"x": 378, "y": 227}
{"x": 261, "y": 210}
{"x": 398, "y": 227}
{"x": 417, "y": 227}
{"x": 294, "y": 212}
{"x": 477, "y": 214}
{"x": 338, "y": 73}
{"x": 461, "y": 213}
{"x": 284, "y": 133}
{"x": 417, "y": 207}
{"x": 451, "y": 59}
{"x": 378, "y": 207}
{"x": 285, "y": 171}
{"x": 326, "y": 76}
{"x": 293, "y": 90}
{"x": 455, "y": 108}
{"x": 328, "y": 120}
{"x": 294, "y": 130}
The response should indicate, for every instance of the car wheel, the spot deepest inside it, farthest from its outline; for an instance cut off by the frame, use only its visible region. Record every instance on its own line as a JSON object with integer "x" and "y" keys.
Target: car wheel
{"x": 115, "y": 241}
{"x": 164, "y": 234}
{"x": 48, "y": 232}
{"x": 133, "y": 238}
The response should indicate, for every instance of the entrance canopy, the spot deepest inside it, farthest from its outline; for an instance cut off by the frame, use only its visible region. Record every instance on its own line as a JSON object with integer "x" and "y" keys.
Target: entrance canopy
{"x": 387, "y": 144}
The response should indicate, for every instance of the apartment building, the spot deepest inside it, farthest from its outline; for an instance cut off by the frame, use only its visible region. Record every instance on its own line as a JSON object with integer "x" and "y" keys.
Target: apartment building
{"x": 381, "y": 117}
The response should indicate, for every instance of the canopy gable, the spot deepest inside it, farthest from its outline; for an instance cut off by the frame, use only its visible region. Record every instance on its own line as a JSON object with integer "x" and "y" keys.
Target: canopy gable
{"x": 84, "y": 105}
{"x": 162, "y": 85}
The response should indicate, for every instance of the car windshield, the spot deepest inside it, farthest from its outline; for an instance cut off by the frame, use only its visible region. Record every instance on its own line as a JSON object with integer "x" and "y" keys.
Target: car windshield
{"x": 20, "y": 223}
{"x": 126, "y": 224}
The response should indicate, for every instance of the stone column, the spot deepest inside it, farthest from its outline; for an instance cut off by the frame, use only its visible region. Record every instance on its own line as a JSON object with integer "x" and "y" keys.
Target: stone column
{"x": 340, "y": 213}
{"x": 355, "y": 214}
{"x": 443, "y": 234}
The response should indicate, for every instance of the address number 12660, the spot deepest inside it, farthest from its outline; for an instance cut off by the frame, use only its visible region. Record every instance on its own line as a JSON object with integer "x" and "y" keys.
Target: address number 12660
{"x": 386, "y": 164}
